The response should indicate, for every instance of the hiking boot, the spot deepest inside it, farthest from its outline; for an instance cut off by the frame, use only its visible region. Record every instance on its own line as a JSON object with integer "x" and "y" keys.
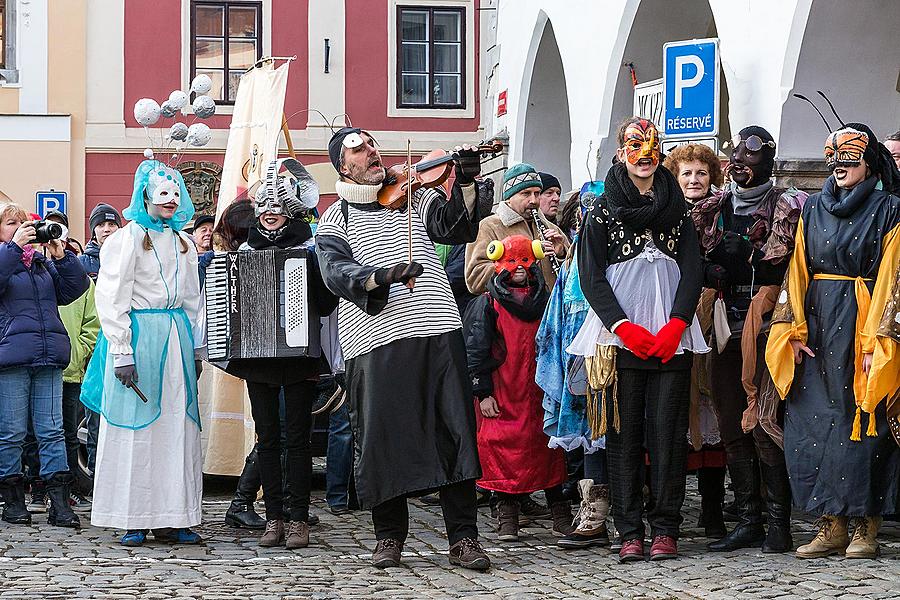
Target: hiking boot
{"x": 591, "y": 518}
{"x": 14, "y": 510}
{"x": 468, "y": 554}
{"x": 663, "y": 547}
{"x": 60, "y": 512}
{"x": 632, "y": 550}
{"x": 562, "y": 519}
{"x": 273, "y": 535}
{"x": 508, "y": 520}
{"x": 297, "y": 535}
{"x": 864, "y": 544}
{"x": 831, "y": 539}
{"x": 387, "y": 553}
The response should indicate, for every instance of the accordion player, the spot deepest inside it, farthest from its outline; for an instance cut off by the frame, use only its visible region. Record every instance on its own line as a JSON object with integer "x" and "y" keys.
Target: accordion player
{"x": 259, "y": 305}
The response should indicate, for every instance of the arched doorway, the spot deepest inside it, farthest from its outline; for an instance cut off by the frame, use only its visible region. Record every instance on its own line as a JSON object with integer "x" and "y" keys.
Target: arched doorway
{"x": 850, "y": 52}
{"x": 654, "y": 24}
{"x": 547, "y": 134}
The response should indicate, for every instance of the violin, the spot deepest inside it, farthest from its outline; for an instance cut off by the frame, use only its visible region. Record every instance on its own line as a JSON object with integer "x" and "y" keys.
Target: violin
{"x": 431, "y": 171}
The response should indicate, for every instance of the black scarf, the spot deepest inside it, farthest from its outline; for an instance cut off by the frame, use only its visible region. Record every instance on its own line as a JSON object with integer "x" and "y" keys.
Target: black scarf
{"x": 291, "y": 234}
{"x": 843, "y": 203}
{"x": 528, "y": 307}
{"x": 659, "y": 213}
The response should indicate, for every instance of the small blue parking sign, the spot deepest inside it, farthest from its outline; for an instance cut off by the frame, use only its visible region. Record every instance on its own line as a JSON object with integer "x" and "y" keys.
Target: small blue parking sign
{"x": 52, "y": 200}
{"x": 691, "y": 88}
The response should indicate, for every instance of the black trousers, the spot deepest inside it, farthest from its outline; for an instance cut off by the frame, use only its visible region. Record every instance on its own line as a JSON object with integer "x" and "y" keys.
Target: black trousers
{"x": 654, "y": 409}
{"x": 731, "y": 400}
{"x": 72, "y": 412}
{"x": 391, "y": 518}
{"x": 265, "y": 406}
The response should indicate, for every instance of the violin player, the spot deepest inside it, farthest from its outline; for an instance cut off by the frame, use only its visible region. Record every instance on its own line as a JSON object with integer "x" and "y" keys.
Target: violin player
{"x": 408, "y": 389}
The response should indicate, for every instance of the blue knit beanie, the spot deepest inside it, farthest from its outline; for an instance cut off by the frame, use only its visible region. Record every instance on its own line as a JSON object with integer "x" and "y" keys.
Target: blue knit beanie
{"x": 519, "y": 177}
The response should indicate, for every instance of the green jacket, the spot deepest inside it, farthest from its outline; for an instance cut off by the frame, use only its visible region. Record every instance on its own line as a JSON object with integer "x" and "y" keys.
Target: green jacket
{"x": 82, "y": 325}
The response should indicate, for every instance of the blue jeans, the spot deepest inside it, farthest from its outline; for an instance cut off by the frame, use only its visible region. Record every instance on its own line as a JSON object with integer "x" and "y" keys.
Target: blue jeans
{"x": 339, "y": 458}
{"x": 36, "y": 392}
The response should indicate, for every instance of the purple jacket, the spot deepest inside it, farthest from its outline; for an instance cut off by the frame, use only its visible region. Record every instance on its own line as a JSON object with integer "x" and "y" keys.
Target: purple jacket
{"x": 31, "y": 332}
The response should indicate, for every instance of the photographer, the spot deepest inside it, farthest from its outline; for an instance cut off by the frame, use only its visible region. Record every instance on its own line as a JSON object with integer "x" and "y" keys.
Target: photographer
{"x": 34, "y": 349}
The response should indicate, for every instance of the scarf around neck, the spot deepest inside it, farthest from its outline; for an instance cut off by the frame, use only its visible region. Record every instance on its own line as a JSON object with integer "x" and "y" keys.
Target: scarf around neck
{"x": 843, "y": 203}
{"x": 659, "y": 212}
{"x": 28, "y": 255}
{"x": 356, "y": 193}
{"x": 527, "y": 306}
{"x": 291, "y": 235}
{"x": 745, "y": 200}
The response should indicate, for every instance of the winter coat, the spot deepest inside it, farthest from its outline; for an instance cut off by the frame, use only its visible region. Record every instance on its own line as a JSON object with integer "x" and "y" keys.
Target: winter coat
{"x": 90, "y": 260}
{"x": 82, "y": 325}
{"x": 505, "y": 222}
{"x": 31, "y": 331}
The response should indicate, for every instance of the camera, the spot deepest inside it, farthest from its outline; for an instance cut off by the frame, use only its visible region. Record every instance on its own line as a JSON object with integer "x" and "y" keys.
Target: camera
{"x": 45, "y": 231}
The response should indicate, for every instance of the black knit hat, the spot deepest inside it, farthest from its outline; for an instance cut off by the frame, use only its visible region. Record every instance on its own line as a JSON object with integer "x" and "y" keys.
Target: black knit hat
{"x": 101, "y": 214}
{"x": 336, "y": 144}
{"x": 58, "y": 214}
{"x": 548, "y": 181}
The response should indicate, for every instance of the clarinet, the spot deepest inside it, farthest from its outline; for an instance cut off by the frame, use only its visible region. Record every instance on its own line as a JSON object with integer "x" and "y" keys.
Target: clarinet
{"x": 542, "y": 231}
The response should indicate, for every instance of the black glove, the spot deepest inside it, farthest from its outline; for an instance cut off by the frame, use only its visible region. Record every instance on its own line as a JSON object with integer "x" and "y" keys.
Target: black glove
{"x": 127, "y": 375}
{"x": 737, "y": 245}
{"x": 715, "y": 276}
{"x": 468, "y": 166}
{"x": 399, "y": 273}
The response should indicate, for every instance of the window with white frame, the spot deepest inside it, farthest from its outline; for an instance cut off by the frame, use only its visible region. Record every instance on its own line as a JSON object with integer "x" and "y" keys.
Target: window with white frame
{"x": 431, "y": 57}
{"x": 8, "y": 72}
{"x": 226, "y": 40}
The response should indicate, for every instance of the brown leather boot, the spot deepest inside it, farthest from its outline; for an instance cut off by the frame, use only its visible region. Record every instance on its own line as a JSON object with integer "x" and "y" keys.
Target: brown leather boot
{"x": 864, "y": 544}
{"x": 297, "y": 535}
{"x": 831, "y": 539}
{"x": 562, "y": 518}
{"x": 387, "y": 553}
{"x": 273, "y": 535}
{"x": 508, "y": 520}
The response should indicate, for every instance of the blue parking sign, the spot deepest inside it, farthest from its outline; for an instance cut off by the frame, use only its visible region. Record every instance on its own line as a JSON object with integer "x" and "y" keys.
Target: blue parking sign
{"x": 47, "y": 201}
{"x": 691, "y": 88}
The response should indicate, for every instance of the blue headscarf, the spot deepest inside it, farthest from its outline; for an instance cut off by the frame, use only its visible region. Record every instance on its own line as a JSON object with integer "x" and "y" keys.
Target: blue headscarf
{"x": 137, "y": 210}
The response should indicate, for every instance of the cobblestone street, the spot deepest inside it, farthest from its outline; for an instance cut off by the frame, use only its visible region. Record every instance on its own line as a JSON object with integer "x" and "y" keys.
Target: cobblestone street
{"x": 47, "y": 562}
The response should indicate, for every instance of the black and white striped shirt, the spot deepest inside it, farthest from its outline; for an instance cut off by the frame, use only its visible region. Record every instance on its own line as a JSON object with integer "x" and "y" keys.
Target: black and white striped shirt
{"x": 378, "y": 238}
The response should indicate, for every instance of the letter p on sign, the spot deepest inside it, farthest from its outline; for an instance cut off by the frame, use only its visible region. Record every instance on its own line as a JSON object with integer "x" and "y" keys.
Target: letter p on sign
{"x": 680, "y": 81}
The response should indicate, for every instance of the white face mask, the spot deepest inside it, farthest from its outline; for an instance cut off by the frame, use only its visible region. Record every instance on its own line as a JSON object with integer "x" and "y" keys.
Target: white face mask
{"x": 163, "y": 186}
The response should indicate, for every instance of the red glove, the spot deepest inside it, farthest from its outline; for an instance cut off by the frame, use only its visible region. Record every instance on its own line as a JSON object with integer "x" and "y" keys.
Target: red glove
{"x": 667, "y": 340}
{"x": 636, "y": 338}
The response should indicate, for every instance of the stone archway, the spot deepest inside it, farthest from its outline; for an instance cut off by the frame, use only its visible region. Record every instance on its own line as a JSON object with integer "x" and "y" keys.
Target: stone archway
{"x": 546, "y": 134}
{"x": 654, "y": 24}
{"x": 849, "y": 51}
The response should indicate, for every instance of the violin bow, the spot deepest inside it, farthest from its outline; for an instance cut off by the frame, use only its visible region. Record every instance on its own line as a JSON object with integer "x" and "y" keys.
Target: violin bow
{"x": 412, "y": 282}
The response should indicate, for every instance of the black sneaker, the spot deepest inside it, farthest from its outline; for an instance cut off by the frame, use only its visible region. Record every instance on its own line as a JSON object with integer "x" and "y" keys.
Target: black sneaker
{"x": 339, "y": 509}
{"x": 468, "y": 554}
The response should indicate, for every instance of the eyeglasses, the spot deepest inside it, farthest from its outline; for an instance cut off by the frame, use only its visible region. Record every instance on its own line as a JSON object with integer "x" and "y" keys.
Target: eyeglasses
{"x": 754, "y": 143}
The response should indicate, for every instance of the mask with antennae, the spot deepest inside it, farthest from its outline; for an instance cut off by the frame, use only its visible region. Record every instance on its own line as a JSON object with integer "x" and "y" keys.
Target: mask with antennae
{"x": 845, "y": 148}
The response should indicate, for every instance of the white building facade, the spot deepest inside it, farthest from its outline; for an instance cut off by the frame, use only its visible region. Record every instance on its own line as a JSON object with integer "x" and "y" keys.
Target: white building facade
{"x": 563, "y": 67}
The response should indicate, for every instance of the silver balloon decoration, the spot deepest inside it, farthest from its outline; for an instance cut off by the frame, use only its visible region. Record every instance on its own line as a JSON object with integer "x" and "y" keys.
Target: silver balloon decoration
{"x": 201, "y": 84}
{"x": 146, "y": 111}
{"x": 167, "y": 110}
{"x": 204, "y": 107}
{"x": 178, "y": 99}
{"x": 198, "y": 134}
{"x": 179, "y": 131}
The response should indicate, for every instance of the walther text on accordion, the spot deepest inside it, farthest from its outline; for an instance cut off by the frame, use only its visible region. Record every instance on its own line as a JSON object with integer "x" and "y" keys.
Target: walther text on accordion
{"x": 258, "y": 306}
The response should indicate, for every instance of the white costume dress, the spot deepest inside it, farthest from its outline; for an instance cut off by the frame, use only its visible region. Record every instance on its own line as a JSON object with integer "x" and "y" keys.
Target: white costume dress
{"x": 149, "y": 474}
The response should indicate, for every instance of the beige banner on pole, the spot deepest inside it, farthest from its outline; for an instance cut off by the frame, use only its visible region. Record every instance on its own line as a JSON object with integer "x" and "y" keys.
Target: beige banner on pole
{"x": 255, "y": 129}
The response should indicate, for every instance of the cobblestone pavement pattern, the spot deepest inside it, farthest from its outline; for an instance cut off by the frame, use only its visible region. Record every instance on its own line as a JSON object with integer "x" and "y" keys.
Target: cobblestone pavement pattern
{"x": 47, "y": 562}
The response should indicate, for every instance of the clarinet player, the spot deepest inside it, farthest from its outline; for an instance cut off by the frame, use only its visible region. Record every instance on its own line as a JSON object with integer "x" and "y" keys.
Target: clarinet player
{"x": 518, "y": 214}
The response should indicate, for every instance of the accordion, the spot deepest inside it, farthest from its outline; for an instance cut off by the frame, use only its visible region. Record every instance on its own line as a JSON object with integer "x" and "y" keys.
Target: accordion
{"x": 258, "y": 306}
